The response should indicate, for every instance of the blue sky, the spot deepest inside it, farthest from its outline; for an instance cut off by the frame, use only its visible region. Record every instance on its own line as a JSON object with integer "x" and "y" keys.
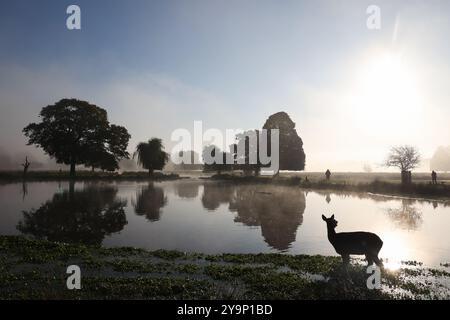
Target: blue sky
{"x": 159, "y": 65}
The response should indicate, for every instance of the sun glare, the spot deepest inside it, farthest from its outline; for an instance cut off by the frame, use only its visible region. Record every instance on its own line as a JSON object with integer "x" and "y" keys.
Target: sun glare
{"x": 394, "y": 251}
{"x": 387, "y": 94}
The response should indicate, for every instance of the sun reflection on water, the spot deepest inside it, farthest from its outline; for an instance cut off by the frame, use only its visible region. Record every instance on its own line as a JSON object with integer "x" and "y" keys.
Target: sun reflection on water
{"x": 394, "y": 251}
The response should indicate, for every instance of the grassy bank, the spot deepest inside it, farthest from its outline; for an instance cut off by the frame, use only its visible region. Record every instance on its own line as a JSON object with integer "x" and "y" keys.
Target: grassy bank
{"x": 36, "y": 269}
{"x": 13, "y": 176}
{"x": 380, "y": 183}
{"x": 422, "y": 189}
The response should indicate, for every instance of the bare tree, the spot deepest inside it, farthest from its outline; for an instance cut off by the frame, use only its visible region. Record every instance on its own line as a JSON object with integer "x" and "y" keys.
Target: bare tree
{"x": 405, "y": 158}
{"x": 25, "y": 166}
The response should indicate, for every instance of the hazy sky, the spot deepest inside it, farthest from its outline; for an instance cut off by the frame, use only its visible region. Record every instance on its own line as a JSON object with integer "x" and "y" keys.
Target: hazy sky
{"x": 159, "y": 65}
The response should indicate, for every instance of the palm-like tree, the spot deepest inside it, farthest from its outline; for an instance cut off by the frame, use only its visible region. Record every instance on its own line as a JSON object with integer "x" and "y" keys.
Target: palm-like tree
{"x": 151, "y": 155}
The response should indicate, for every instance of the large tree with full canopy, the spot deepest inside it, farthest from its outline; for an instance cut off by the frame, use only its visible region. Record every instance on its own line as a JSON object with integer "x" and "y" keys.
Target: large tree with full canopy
{"x": 292, "y": 156}
{"x": 76, "y": 132}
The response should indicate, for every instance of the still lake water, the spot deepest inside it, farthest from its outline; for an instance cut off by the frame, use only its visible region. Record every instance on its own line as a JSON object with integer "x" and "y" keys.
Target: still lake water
{"x": 216, "y": 217}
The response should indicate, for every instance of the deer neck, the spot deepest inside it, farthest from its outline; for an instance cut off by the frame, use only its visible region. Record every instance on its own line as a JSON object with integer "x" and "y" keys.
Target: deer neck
{"x": 331, "y": 233}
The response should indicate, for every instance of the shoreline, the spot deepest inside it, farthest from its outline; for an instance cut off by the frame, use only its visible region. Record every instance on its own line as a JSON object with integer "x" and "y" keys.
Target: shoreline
{"x": 130, "y": 273}
{"x": 418, "y": 190}
{"x": 42, "y": 176}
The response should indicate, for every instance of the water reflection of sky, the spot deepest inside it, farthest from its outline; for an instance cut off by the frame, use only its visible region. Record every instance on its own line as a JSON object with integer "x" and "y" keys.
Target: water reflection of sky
{"x": 214, "y": 217}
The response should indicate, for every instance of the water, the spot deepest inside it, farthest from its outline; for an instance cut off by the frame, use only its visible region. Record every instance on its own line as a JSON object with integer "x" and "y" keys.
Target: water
{"x": 216, "y": 217}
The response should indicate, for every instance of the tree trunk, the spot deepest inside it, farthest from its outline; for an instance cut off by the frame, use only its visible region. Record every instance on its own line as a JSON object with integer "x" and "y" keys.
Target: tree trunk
{"x": 150, "y": 172}
{"x": 25, "y": 170}
{"x": 406, "y": 177}
{"x": 72, "y": 170}
{"x": 25, "y": 165}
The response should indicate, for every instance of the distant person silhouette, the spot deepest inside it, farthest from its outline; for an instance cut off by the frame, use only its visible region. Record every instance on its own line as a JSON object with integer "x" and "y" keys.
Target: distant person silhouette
{"x": 328, "y": 174}
{"x": 433, "y": 177}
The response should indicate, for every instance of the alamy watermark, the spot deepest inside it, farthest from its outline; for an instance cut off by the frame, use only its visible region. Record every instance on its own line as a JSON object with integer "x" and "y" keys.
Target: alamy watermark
{"x": 373, "y": 21}
{"x": 374, "y": 280}
{"x": 253, "y": 147}
{"x": 73, "y": 21}
{"x": 74, "y": 280}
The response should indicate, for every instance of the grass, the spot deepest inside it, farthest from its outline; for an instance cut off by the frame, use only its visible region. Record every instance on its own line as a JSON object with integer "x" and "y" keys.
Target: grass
{"x": 377, "y": 183}
{"x": 36, "y": 269}
{"x": 11, "y": 176}
{"x": 441, "y": 191}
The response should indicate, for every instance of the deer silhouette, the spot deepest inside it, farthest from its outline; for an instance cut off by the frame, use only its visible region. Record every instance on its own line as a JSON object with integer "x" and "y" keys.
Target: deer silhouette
{"x": 357, "y": 243}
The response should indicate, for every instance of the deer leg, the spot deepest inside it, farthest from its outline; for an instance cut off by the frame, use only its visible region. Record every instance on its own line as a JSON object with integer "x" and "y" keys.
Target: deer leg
{"x": 346, "y": 262}
{"x": 377, "y": 261}
{"x": 345, "y": 259}
{"x": 369, "y": 260}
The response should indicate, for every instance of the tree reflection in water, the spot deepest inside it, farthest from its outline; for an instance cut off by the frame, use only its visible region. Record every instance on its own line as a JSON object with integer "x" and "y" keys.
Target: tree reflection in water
{"x": 85, "y": 216}
{"x": 187, "y": 189}
{"x": 278, "y": 210}
{"x": 407, "y": 216}
{"x": 149, "y": 201}
{"x": 217, "y": 193}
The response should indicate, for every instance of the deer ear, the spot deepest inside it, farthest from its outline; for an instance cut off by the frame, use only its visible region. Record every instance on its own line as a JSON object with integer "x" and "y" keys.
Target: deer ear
{"x": 324, "y": 218}
{"x": 332, "y": 217}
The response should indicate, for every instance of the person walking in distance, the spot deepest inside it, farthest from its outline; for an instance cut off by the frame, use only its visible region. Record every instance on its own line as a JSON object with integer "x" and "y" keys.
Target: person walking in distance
{"x": 433, "y": 177}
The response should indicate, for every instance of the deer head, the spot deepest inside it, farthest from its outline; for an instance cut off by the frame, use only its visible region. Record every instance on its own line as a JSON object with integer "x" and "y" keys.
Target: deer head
{"x": 331, "y": 222}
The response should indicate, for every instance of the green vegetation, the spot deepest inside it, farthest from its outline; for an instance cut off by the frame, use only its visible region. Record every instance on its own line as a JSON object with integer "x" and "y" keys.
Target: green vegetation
{"x": 11, "y": 176}
{"x": 36, "y": 269}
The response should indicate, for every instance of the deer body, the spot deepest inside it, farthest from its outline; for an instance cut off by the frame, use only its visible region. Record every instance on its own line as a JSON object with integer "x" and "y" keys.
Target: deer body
{"x": 358, "y": 243}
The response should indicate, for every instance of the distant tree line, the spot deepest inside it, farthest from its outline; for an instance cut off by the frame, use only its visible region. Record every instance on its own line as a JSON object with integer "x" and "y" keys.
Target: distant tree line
{"x": 291, "y": 153}
{"x": 76, "y": 132}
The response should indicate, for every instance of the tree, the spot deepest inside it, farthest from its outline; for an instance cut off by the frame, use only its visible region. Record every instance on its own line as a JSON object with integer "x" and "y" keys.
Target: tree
{"x": 211, "y": 152}
{"x": 406, "y": 158}
{"x": 109, "y": 163}
{"x": 25, "y": 166}
{"x": 151, "y": 155}
{"x": 249, "y": 161}
{"x": 77, "y": 132}
{"x": 193, "y": 163}
{"x": 292, "y": 155}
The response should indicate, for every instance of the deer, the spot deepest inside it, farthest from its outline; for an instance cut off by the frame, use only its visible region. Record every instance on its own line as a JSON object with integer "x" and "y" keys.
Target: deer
{"x": 355, "y": 243}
